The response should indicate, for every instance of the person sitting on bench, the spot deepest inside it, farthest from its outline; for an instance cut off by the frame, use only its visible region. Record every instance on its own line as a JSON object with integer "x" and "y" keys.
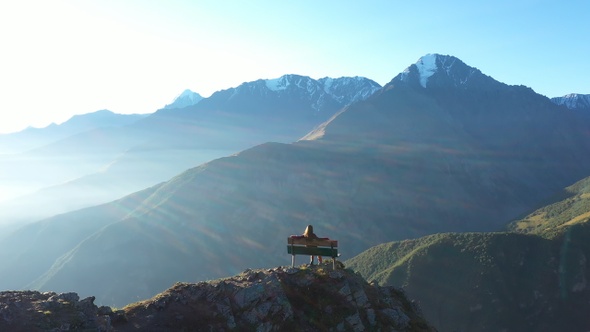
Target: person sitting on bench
{"x": 311, "y": 235}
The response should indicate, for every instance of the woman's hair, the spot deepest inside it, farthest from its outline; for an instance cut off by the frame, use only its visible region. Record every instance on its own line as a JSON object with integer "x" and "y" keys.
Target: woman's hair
{"x": 308, "y": 231}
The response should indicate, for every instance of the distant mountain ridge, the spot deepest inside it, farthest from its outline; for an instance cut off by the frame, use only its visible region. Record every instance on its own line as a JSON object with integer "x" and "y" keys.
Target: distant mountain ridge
{"x": 31, "y": 138}
{"x": 168, "y": 142}
{"x": 344, "y": 90}
{"x": 286, "y": 95}
{"x": 575, "y": 101}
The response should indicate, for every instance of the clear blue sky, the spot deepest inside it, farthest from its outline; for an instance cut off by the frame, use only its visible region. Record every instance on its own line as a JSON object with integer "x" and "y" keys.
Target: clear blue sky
{"x": 59, "y": 58}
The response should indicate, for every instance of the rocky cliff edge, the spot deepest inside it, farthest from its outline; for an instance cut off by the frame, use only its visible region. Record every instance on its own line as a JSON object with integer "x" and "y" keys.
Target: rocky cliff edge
{"x": 305, "y": 298}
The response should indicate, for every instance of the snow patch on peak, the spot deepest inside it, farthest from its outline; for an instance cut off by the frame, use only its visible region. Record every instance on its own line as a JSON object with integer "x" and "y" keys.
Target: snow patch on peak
{"x": 292, "y": 81}
{"x": 573, "y": 101}
{"x": 328, "y": 82}
{"x": 278, "y": 84}
{"x": 347, "y": 90}
{"x": 275, "y": 84}
{"x": 450, "y": 69}
{"x": 426, "y": 67}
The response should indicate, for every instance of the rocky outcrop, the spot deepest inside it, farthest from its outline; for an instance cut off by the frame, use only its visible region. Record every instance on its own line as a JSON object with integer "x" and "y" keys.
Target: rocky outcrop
{"x": 310, "y": 298}
{"x": 33, "y": 311}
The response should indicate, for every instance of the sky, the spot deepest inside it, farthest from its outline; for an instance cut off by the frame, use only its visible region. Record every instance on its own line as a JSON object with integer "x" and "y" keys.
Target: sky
{"x": 60, "y": 58}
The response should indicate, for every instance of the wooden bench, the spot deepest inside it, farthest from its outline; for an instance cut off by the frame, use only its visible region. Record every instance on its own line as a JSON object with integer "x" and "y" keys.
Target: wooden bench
{"x": 299, "y": 245}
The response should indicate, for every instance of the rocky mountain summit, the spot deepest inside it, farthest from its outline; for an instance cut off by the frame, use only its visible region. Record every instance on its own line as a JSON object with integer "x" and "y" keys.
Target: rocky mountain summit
{"x": 307, "y": 298}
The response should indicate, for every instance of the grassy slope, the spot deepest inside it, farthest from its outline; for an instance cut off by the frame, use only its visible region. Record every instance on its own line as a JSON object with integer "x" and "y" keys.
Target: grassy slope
{"x": 570, "y": 207}
{"x": 488, "y": 281}
{"x": 531, "y": 278}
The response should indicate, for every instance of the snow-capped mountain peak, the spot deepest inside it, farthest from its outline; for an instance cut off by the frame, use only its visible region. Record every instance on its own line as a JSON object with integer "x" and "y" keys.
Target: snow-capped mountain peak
{"x": 444, "y": 69}
{"x": 320, "y": 94}
{"x": 340, "y": 88}
{"x": 337, "y": 89}
{"x": 292, "y": 81}
{"x": 185, "y": 99}
{"x": 573, "y": 101}
{"x": 426, "y": 67}
{"x": 278, "y": 84}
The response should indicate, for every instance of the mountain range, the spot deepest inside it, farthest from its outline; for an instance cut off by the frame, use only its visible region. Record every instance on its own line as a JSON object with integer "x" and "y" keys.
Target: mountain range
{"x": 441, "y": 148}
{"x": 101, "y": 163}
{"x": 32, "y": 138}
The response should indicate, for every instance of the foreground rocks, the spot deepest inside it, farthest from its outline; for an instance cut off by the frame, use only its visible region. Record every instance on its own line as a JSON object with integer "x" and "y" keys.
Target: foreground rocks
{"x": 309, "y": 298}
{"x": 32, "y": 311}
{"x": 314, "y": 298}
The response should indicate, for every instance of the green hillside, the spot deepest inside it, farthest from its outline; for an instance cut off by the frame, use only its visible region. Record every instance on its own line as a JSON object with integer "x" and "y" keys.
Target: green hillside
{"x": 489, "y": 281}
{"x": 570, "y": 207}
